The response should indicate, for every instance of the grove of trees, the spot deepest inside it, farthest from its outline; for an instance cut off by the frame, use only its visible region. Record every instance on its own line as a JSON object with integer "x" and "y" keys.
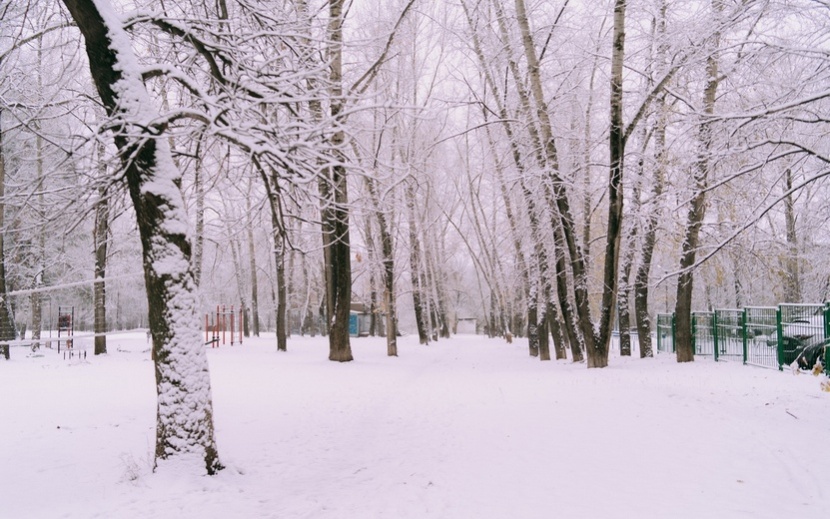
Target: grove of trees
{"x": 556, "y": 170}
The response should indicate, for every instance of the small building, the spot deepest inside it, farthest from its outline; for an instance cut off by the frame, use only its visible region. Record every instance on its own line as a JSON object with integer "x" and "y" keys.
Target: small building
{"x": 359, "y": 320}
{"x": 466, "y": 326}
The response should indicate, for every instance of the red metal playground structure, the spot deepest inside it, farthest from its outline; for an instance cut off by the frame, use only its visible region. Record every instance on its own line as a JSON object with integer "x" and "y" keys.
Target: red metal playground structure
{"x": 224, "y": 322}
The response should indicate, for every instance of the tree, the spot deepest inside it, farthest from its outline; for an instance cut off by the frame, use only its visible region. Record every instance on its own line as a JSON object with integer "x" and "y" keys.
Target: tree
{"x": 335, "y": 196}
{"x": 697, "y": 205}
{"x": 184, "y": 412}
{"x": 100, "y": 239}
{"x": 7, "y": 330}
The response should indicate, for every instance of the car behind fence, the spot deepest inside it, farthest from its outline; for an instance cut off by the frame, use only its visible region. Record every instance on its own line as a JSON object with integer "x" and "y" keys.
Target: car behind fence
{"x": 770, "y": 337}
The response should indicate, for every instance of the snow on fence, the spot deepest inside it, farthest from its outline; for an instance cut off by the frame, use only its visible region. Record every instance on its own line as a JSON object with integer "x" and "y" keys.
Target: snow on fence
{"x": 770, "y": 337}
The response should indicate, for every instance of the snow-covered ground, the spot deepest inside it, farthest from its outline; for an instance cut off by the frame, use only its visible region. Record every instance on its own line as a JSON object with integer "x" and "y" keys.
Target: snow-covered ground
{"x": 465, "y": 428}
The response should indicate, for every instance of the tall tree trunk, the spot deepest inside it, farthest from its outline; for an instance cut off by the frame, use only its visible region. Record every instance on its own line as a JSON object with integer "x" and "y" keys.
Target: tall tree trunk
{"x": 7, "y": 331}
{"x": 652, "y": 213}
{"x": 415, "y": 269}
{"x": 184, "y": 412}
{"x": 252, "y": 265}
{"x": 280, "y": 293}
{"x": 560, "y": 340}
{"x": 199, "y": 236}
{"x": 697, "y": 209}
{"x": 40, "y": 249}
{"x": 792, "y": 281}
{"x": 388, "y": 272}
{"x": 615, "y": 191}
{"x": 339, "y": 265}
{"x": 544, "y": 332}
{"x": 101, "y": 240}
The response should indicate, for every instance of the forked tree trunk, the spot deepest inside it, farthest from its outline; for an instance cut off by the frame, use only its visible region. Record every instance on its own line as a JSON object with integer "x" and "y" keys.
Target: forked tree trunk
{"x": 184, "y": 425}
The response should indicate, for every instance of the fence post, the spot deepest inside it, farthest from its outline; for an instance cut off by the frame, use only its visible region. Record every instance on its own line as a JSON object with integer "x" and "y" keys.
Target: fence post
{"x": 659, "y": 335}
{"x": 743, "y": 333}
{"x": 715, "y": 335}
{"x": 694, "y": 332}
{"x": 826, "y": 336}
{"x": 673, "y": 329}
{"x": 779, "y": 340}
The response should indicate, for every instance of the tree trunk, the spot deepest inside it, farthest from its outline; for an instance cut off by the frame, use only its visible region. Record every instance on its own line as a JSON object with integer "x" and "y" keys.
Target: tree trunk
{"x": 337, "y": 226}
{"x": 560, "y": 340}
{"x": 415, "y": 267}
{"x": 697, "y": 211}
{"x": 7, "y": 331}
{"x": 252, "y": 265}
{"x": 792, "y": 281}
{"x": 280, "y": 293}
{"x": 40, "y": 249}
{"x": 652, "y": 216}
{"x": 99, "y": 295}
{"x": 199, "y": 237}
{"x": 184, "y": 411}
{"x": 544, "y": 332}
{"x": 598, "y": 356}
{"x": 388, "y": 259}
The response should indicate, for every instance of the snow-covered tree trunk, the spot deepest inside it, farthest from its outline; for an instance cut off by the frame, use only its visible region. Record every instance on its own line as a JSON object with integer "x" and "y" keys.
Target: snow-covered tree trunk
{"x": 184, "y": 427}
{"x": 199, "y": 238}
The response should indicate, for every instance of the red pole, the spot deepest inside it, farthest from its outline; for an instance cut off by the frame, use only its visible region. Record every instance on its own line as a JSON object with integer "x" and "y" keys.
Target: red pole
{"x": 241, "y": 315}
{"x": 232, "y": 323}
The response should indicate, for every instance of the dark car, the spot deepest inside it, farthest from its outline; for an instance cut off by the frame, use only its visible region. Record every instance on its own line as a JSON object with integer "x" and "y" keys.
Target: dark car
{"x": 792, "y": 349}
{"x": 811, "y": 353}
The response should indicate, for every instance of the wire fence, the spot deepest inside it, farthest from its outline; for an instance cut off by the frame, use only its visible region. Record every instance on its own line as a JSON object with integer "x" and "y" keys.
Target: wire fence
{"x": 770, "y": 337}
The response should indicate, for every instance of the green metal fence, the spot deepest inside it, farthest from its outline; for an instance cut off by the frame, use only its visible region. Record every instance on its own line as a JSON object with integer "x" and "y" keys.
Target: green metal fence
{"x": 665, "y": 333}
{"x": 827, "y": 334}
{"x": 761, "y": 332}
{"x": 799, "y": 326}
{"x": 703, "y": 333}
{"x": 729, "y": 334}
{"x": 760, "y": 336}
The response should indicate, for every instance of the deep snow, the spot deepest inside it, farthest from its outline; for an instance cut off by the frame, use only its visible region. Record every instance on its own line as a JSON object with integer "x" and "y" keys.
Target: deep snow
{"x": 464, "y": 428}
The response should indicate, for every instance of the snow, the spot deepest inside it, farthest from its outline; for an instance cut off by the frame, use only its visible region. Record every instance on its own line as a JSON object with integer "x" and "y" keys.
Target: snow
{"x": 464, "y": 428}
